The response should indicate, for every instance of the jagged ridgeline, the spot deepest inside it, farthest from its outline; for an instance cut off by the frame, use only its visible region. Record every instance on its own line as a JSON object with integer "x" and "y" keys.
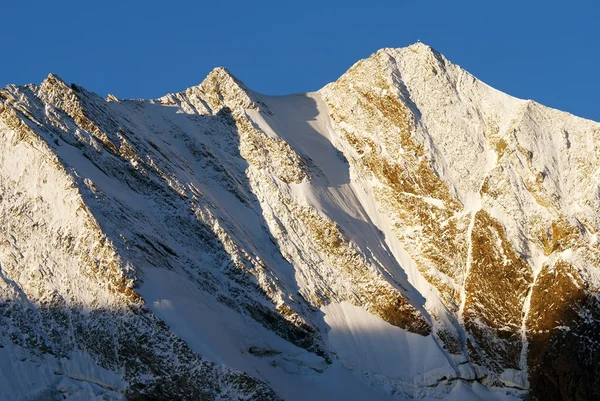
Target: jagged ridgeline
{"x": 404, "y": 232}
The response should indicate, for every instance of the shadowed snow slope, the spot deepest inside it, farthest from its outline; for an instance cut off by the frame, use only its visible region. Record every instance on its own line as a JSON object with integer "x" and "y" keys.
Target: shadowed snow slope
{"x": 405, "y": 232}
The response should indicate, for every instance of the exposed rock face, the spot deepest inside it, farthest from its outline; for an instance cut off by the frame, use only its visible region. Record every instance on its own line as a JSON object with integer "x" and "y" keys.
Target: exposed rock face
{"x": 496, "y": 289}
{"x": 563, "y": 336}
{"x": 217, "y": 243}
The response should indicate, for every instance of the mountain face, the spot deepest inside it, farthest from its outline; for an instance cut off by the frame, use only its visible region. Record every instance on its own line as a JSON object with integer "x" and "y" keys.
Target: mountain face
{"x": 405, "y": 232}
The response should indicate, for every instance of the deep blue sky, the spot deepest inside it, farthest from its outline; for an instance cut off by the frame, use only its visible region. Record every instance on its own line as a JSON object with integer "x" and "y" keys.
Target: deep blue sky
{"x": 548, "y": 51}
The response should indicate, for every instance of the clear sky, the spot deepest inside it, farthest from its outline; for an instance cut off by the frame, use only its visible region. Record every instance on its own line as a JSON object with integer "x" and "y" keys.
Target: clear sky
{"x": 548, "y": 51}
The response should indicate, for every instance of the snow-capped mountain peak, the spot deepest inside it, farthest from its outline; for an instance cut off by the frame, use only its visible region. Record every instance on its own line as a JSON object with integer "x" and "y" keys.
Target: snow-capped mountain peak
{"x": 407, "y": 231}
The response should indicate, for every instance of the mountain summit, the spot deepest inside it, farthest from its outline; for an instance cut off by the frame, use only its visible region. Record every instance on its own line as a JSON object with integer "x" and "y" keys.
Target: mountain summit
{"x": 405, "y": 232}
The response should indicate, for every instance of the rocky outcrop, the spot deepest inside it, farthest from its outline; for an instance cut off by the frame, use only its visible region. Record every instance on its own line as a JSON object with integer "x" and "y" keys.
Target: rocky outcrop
{"x": 563, "y": 335}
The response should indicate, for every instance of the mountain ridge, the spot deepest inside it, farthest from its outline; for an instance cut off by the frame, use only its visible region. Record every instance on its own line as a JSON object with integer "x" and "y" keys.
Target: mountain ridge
{"x": 299, "y": 214}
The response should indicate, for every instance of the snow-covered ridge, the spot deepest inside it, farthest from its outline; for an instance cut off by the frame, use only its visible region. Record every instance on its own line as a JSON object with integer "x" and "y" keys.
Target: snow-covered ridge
{"x": 406, "y": 231}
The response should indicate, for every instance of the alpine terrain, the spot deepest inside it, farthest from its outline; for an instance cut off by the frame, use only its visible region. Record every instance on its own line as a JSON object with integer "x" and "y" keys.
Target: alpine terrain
{"x": 405, "y": 232}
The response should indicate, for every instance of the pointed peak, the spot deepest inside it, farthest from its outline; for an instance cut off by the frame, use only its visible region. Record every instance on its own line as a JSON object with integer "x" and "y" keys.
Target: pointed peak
{"x": 53, "y": 79}
{"x": 221, "y": 75}
{"x": 221, "y": 71}
{"x": 425, "y": 49}
{"x": 387, "y": 58}
{"x": 420, "y": 46}
{"x": 54, "y": 83}
{"x": 417, "y": 47}
{"x": 225, "y": 90}
{"x": 53, "y": 76}
{"x": 52, "y": 87}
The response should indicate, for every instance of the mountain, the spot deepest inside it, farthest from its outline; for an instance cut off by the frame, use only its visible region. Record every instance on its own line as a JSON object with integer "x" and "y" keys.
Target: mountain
{"x": 405, "y": 232}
